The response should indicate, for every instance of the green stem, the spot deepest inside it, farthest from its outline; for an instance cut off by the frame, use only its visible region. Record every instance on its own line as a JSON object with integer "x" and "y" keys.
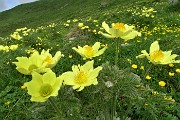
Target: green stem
{"x": 147, "y": 71}
{"x": 54, "y": 105}
{"x": 113, "y": 110}
{"x": 117, "y": 51}
{"x": 13, "y": 107}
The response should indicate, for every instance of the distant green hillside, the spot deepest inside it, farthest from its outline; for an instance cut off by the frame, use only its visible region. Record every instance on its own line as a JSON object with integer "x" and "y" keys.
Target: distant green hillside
{"x": 45, "y": 11}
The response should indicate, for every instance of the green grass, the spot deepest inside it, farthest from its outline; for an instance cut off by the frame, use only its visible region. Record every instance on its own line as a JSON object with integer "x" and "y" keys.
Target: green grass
{"x": 131, "y": 96}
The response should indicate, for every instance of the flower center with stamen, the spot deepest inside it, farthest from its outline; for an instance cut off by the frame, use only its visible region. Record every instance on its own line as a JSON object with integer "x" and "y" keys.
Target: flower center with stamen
{"x": 88, "y": 51}
{"x": 32, "y": 67}
{"x": 48, "y": 59}
{"x": 45, "y": 90}
{"x": 81, "y": 77}
{"x": 119, "y": 26}
{"x": 157, "y": 55}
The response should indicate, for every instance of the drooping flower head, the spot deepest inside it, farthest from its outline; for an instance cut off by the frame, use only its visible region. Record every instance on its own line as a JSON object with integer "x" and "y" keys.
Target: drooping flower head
{"x": 27, "y": 65}
{"x": 157, "y": 56}
{"x": 41, "y": 87}
{"x": 82, "y": 76}
{"x": 49, "y": 60}
{"x": 90, "y": 51}
{"x": 120, "y": 30}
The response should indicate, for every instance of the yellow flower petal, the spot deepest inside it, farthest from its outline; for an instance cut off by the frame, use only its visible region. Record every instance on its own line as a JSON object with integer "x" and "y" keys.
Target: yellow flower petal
{"x": 154, "y": 47}
{"x": 49, "y": 76}
{"x": 41, "y": 87}
{"x": 82, "y": 76}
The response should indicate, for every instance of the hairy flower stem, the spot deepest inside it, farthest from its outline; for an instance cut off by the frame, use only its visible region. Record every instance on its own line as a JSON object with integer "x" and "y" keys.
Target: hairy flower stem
{"x": 113, "y": 109}
{"x": 117, "y": 52}
{"x": 147, "y": 71}
{"x": 51, "y": 101}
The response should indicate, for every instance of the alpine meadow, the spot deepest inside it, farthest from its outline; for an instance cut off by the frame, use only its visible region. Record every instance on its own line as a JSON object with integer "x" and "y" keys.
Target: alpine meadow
{"x": 90, "y": 60}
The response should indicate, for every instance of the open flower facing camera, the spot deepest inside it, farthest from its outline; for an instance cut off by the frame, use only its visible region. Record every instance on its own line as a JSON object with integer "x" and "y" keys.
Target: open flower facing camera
{"x": 82, "y": 76}
{"x": 41, "y": 87}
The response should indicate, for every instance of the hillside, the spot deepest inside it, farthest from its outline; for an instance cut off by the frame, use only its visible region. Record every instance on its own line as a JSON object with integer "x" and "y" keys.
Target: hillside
{"x": 46, "y": 11}
{"x": 90, "y": 60}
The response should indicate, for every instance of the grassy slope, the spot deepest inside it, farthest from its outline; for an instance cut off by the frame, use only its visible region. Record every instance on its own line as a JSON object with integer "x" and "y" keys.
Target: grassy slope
{"x": 44, "y": 12}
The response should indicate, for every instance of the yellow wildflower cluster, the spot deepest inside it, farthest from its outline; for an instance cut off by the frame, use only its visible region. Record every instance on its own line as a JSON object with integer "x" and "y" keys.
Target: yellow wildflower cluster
{"x": 89, "y": 25}
{"x": 45, "y": 84}
{"x": 169, "y": 98}
{"x": 7, "y": 48}
{"x": 147, "y": 12}
{"x": 160, "y": 29}
{"x": 17, "y": 35}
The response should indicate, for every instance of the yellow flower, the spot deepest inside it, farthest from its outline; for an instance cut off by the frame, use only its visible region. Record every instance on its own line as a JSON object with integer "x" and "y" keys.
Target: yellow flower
{"x": 134, "y": 66}
{"x": 120, "y": 30}
{"x": 70, "y": 56}
{"x": 80, "y": 25}
{"x": 169, "y": 98}
{"x": 157, "y": 56}
{"x": 13, "y": 47}
{"x": 155, "y": 92}
{"x": 171, "y": 74}
{"x": 129, "y": 60}
{"x": 49, "y": 60}
{"x": 171, "y": 65}
{"x": 66, "y": 25}
{"x": 16, "y": 36}
{"x": 68, "y": 21}
{"x": 82, "y": 76}
{"x": 1, "y": 47}
{"x": 41, "y": 87}
{"x": 162, "y": 83}
{"x": 6, "y": 48}
{"x": 22, "y": 87}
{"x": 95, "y": 21}
{"x": 178, "y": 70}
{"x": 33, "y": 63}
{"x": 142, "y": 67}
{"x": 89, "y": 52}
{"x": 7, "y": 103}
{"x": 148, "y": 77}
{"x": 94, "y": 31}
{"x": 75, "y": 20}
